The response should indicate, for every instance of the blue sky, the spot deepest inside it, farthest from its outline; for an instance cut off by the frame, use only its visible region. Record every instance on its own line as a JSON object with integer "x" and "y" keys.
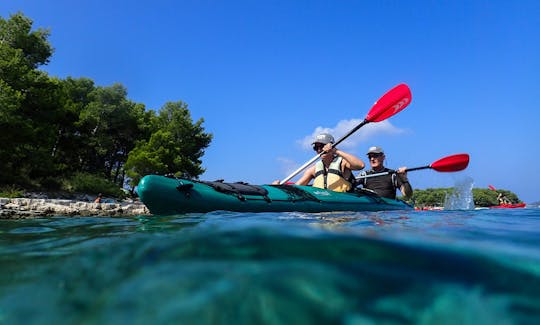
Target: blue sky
{"x": 267, "y": 75}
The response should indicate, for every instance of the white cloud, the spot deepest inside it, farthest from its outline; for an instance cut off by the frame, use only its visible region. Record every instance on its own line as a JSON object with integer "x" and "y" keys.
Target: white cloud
{"x": 363, "y": 135}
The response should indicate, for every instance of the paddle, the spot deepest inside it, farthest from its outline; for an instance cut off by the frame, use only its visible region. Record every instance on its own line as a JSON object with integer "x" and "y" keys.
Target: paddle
{"x": 391, "y": 103}
{"x": 453, "y": 163}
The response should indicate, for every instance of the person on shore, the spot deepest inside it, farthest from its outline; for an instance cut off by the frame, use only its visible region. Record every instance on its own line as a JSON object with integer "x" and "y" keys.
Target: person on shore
{"x": 334, "y": 170}
{"x": 384, "y": 185}
{"x": 99, "y": 198}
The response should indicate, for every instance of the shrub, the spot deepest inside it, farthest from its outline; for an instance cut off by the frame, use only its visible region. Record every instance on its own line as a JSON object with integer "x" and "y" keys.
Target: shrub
{"x": 51, "y": 183}
{"x": 92, "y": 184}
{"x": 11, "y": 191}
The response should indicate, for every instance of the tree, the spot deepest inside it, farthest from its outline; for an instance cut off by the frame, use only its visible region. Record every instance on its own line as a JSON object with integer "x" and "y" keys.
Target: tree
{"x": 100, "y": 128}
{"x": 430, "y": 196}
{"x": 175, "y": 147}
{"x": 481, "y": 197}
{"x": 16, "y": 33}
{"x": 485, "y": 197}
{"x": 69, "y": 149}
{"x": 109, "y": 125}
{"x": 28, "y": 100}
{"x": 52, "y": 128}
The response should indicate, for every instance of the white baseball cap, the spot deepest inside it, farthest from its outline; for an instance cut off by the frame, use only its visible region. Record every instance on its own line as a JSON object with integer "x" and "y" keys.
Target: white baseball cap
{"x": 375, "y": 150}
{"x": 323, "y": 138}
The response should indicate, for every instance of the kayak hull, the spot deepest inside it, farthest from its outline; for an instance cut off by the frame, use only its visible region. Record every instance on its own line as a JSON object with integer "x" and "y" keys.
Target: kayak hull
{"x": 508, "y": 206}
{"x": 168, "y": 196}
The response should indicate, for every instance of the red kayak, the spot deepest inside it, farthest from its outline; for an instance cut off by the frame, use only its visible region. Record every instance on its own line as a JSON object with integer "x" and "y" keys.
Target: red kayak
{"x": 508, "y": 206}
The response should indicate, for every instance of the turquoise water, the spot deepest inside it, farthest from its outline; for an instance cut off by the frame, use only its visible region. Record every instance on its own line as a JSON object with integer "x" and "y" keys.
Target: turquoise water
{"x": 413, "y": 267}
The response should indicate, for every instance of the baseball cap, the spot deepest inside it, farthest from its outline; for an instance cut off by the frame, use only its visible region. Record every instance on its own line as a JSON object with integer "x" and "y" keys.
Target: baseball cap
{"x": 375, "y": 150}
{"x": 323, "y": 138}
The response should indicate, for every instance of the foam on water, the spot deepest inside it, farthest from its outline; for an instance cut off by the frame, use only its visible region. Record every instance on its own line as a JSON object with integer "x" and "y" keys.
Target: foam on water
{"x": 461, "y": 198}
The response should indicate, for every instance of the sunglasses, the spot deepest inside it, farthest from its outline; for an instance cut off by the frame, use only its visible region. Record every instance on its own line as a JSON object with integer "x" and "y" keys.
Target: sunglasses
{"x": 374, "y": 155}
{"x": 318, "y": 147}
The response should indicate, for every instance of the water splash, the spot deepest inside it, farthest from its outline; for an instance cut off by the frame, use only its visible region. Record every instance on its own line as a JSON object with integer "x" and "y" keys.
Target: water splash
{"x": 461, "y": 198}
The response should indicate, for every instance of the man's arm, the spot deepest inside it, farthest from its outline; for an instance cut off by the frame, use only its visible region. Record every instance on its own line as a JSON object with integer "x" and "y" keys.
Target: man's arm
{"x": 405, "y": 188}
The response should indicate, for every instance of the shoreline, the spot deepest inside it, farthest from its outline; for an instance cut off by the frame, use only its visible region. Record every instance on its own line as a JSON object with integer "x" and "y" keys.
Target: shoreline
{"x": 27, "y": 208}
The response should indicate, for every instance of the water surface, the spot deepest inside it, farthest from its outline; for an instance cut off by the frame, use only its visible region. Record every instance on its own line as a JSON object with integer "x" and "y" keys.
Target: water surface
{"x": 421, "y": 267}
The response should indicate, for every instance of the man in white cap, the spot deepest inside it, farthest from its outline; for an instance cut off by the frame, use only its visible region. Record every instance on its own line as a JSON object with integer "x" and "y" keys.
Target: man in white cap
{"x": 334, "y": 170}
{"x": 385, "y": 185}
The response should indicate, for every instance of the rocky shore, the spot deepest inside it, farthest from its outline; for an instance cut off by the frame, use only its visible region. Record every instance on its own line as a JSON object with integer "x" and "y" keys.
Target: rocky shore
{"x": 23, "y": 208}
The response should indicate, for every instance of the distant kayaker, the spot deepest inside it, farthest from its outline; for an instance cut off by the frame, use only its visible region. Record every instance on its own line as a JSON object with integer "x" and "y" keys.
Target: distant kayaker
{"x": 385, "y": 185}
{"x": 503, "y": 199}
{"x": 334, "y": 170}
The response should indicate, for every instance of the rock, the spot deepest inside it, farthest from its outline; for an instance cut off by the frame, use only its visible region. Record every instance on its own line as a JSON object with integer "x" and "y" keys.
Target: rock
{"x": 17, "y": 208}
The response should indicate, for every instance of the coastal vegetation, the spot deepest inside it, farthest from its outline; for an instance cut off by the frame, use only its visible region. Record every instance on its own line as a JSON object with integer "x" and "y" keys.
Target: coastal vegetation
{"x": 436, "y": 197}
{"x": 73, "y": 135}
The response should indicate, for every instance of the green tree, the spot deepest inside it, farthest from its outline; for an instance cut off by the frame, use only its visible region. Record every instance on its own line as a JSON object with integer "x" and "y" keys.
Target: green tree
{"x": 69, "y": 149}
{"x": 29, "y": 101}
{"x": 431, "y": 196}
{"x": 486, "y": 197}
{"x": 175, "y": 147}
{"x": 16, "y": 33}
{"x": 482, "y": 197}
{"x": 100, "y": 128}
{"x": 109, "y": 126}
{"x": 52, "y": 128}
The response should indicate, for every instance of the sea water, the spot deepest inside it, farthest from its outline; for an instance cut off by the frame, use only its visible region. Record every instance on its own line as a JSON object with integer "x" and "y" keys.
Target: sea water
{"x": 400, "y": 267}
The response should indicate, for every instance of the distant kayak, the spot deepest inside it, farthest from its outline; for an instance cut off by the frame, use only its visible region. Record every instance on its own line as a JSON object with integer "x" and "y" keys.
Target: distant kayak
{"x": 508, "y": 206}
{"x": 429, "y": 208}
{"x": 168, "y": 196}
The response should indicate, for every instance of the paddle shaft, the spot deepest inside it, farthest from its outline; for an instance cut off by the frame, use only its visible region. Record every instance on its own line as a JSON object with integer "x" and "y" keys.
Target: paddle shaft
{"x": 417, "y": 168}
{"x": 453, "y": 163}
{"x": 312, "y": 160}
{"x": 386, "y": 173}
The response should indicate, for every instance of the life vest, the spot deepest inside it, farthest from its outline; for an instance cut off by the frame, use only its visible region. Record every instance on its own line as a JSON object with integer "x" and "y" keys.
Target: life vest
{"x": 333, "y": 178}
{"x": 384, "y": 185}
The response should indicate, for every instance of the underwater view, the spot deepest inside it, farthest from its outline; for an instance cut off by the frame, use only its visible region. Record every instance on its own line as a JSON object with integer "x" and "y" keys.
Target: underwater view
{"x": 396, "y": 267}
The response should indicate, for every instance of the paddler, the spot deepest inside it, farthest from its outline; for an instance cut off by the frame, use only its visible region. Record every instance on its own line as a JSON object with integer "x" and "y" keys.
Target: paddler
{"x": 334, "y": 170}
{"x": 503, "y": 199}
{"x": 385, "y": 185}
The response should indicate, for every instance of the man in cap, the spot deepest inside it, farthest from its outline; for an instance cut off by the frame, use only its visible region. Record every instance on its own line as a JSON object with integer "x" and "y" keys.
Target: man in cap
{"x": 385, "y": 185}
{"x": 334, "y": 170}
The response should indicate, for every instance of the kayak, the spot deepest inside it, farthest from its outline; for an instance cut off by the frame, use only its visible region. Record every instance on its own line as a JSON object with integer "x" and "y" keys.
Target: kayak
{"x": 508, "y": 206}
{"x": 167, "y": 196}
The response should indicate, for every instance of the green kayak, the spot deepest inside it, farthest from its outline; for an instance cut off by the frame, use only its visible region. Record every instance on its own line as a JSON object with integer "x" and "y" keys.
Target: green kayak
{"x": 166, "y": 196}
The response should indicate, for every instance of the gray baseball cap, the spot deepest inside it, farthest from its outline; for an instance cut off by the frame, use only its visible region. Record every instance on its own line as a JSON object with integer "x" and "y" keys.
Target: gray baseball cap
{"x": 375, "y": 150}
{"x": 323, "y": 138}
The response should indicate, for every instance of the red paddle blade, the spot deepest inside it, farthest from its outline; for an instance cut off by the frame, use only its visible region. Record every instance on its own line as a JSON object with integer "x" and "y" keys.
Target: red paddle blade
{"x": 491, "y": 187}
{"x": 391, "y": 103}
{"x": 452, "y": 163}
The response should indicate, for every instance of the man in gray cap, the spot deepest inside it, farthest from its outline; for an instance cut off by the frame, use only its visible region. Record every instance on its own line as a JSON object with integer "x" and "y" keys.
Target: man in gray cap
{"x": 385, "y": 185}
{"x": 334, "y": 170}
